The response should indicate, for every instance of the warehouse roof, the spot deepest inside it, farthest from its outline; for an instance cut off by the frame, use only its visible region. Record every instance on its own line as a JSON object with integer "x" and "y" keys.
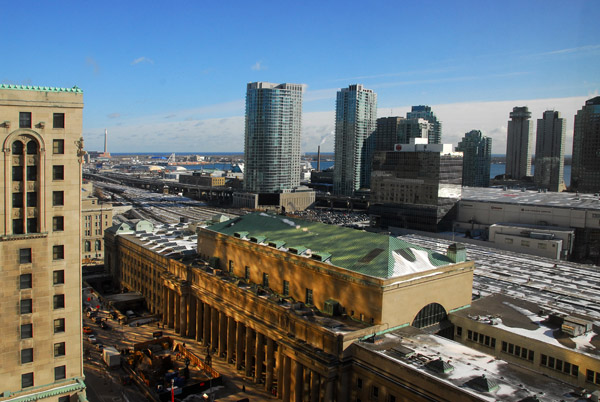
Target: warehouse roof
{"x": 367, "y": 253}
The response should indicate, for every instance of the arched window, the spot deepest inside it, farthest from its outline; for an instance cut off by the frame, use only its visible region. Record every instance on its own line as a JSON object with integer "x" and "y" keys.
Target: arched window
{"x": 17, "y": 148}
{"x": 429, "y": 315}
{"x": 98, "y": 245}
{"x": 88, "y": 246}
{"x": 32, "y": 147}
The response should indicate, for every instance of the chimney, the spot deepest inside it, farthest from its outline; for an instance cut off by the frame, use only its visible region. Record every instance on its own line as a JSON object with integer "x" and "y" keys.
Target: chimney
{"x": 319, "y": 159}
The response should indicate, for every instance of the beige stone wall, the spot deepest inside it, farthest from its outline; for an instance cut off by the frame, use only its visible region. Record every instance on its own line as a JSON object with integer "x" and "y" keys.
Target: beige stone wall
{"x": 41, "y": 240}
{"x": 95, "y": 218}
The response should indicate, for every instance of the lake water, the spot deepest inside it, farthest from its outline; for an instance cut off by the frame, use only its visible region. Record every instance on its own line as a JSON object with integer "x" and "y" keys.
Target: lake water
{"x": 495, "y": 170}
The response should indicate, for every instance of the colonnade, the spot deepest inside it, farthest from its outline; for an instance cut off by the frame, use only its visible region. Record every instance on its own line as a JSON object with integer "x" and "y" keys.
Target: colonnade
{"x": 267, "y": 361}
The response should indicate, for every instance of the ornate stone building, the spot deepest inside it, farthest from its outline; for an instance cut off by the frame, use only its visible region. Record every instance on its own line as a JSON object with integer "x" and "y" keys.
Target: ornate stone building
{"x": 40, "y": 320}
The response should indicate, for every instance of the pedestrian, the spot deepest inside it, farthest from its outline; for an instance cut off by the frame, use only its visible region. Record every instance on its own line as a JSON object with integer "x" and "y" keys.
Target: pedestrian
{"x": 243, "y": 388}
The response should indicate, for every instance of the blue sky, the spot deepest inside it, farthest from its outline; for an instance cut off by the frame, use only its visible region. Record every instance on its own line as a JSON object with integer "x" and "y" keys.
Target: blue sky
{"x": 171, "y": 76}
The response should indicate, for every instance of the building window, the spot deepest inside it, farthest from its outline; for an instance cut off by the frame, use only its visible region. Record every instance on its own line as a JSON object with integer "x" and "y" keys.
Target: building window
{"x": 60, "y": 373}
{"x": 58, "y": 147}
{"x": 17, "y": 173}
{"x": 25, "y": 281}
{"x": 58, "y": 277}
{"x": 17, "y": 200}
{"x": 27, "y": 380}
{"x": 32, "y": 225}
{"x": 59, "y": 349}
{"x": 26, "y": 306}
{"x": 58, "y": 252}
{"x": 286, "y": 288}
{"x": 247, "y": 273}
{"x": 58, "y": 172}
{"x": 98, "y": 245}
{"x": 59, "y": 325}
{"x": 374, "y": 392}
{"x": 230, "y": 266}
{"x": 58, "y": 223}
{"x": 32, "y": 148}
{"x": 32, "y": 199}
{"x": 265, "y": 280}
{"x": 58, "y": 198}
{"x": 24, "y": 119}
{"x": 26, "y": 355}
{"x": 458, "y": 331}
{"x": 58, "y": 120}
{"x": 59, "y": 301}
{"x": 87, "y": 246}
{"x": 525, "y": 243}
{"x": 25, "y": 256}
{"x": 392, "y": 398}
{"x": 309, "y": 297}
{"x": 17, "y": 148}
{"x": 26, "y": 331}
{"x": 31, "y": 173}
{"x": 508, "y": 240}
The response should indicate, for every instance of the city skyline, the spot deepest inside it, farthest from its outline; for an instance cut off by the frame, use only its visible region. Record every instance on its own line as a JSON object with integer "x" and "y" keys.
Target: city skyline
{"x": 183, "y": 78}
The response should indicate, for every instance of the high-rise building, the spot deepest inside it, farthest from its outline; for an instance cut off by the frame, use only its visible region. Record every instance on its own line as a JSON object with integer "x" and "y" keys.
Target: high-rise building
{"x": 387, "y": 133}
{"x": 272, "y": 137}
{"x": 519, "y": 143}
{"x": 414, "y": 127}
{"x": 477, "y": 159}
{"x": 550, "y": 151}
{"x": 424, "y": 112}
{"x": 40, "y": 249}
{"x": 585, "y": 173}
{"x": 416, "y": 186}
{"x": 355, "y": 123}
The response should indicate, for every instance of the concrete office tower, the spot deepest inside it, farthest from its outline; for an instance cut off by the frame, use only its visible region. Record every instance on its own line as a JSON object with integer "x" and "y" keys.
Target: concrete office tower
{"x": 585, "y": 173}
{"x": 272, "y": 137}
{"x": 424, "y": 112}
{"x": 477, "y": 159}
{"x": 387, "y": 133}
{"x": 519, "y": 143}
{"x": 550, "y": 151}
{"x": 40, "y": 250}
{"x": 355, "y": 123}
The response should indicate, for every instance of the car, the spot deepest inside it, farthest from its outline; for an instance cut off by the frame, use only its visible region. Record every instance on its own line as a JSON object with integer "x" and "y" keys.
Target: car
{"x": 92, "y": 339}
{"x": 87, "y": 330}
{"x": 100, "y": 346}
{"x": 104, "y": 325}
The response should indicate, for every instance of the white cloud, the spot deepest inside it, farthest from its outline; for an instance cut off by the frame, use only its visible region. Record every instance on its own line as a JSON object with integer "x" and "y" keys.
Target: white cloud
{"x": 205, "y": 129}
{"x": 258, "y": 66}
{"x": 580, "y": 49}
{"x": 142, "y": 59}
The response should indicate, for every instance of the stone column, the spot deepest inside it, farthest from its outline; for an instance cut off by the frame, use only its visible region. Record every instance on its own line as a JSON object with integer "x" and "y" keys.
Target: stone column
{"x": 279, "y": 367}
{"x": 296, "y": 382}
{"x": 206, "y": 335}
{"x": 327, "y": 389}
{"x": 199, "y": 320}
{"x": 285, "y": 378}
{"x": 165, "y": 305}
{"x": 269, "y": 363}
{"x": 314, "y": 386}
{"x": 214, "y": 333}
{"x": 231, "y": 330}
{"x": 239, "y": 347}
{"x": 249, "y": 350}
{"x": 222, "y": 334}
{"x": 177, "y": 316}
{"x": 191, "y": 317}
{"x": 259, "y": 357}
{"x": 306, "y": 384}
{"x": 171, "y": 309}
{"x": 183, "y": 309}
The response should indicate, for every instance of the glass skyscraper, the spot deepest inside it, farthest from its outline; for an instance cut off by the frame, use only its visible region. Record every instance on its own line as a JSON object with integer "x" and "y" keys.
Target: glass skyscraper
{"x": 477, "y": 159}
{"x": 550, "y": 151}
{"x": 355, "y": 123}
{"x": 585, "y": 173}
{"x": 424, "y": 112}
{"x": 272, "y": 137}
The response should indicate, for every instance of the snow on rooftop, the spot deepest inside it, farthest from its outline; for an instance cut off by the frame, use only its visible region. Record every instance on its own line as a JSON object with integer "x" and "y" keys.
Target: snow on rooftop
{"x": 403, "y": 266}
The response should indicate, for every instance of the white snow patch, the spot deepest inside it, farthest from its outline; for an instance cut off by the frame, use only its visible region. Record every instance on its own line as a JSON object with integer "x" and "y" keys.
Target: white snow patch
{"x": 402, "y": 266}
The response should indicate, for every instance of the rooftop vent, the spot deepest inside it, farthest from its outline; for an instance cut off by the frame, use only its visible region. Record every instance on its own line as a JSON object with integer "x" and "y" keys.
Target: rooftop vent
{"x": 240, "y": 235}
{"x": 482, "y": 384}
{"x": 298, "y": 250}
{"x": 320, "y": 256}
{"x": 257, "y": 239}
{"x": 332, "y": 307}
{"x": 574, "y": 326}
{"x": 439, "y": 366}
{"x": 401, "y": 352}
{"x": 457, "y": 252}
{"x": 276, "y": 243}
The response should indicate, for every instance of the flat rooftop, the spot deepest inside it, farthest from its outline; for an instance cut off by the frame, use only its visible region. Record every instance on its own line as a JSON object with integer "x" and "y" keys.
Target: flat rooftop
{"x": 417, "y": 350}
{"x": 560, "y": 286}
{"x": 533, "y": 198}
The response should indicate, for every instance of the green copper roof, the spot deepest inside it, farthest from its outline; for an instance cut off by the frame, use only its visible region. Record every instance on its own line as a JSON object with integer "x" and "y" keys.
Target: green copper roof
{"x": 75, "y": 89}
{"x": 368, "y": 253}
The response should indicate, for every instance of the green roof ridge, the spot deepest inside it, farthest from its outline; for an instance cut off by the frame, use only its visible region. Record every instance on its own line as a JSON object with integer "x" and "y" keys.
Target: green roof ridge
{"x": 75, "y": 89}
